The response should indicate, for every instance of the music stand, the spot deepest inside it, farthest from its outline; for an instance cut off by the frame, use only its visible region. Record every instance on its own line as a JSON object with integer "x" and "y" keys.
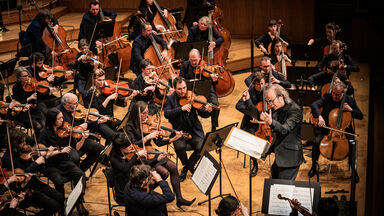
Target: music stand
{"x": 103, "y": 30}
{"x": 8, "y": 67}
{"x": 202, "y": 87}
{"x": 305, "y": 52}
{"x": 304, "y": 97}
{"x": 214, "y": 141}
{"x": 74, "y": 196}
{"x": 182, "y": 48}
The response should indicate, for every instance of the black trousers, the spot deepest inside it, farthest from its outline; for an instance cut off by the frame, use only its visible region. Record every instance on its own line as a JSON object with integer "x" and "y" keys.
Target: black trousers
{"x": 107, "y": 129}
{"x": 288, "y": 173}
{"x": 92, "y": 149}
{"x": 181, "y": 145}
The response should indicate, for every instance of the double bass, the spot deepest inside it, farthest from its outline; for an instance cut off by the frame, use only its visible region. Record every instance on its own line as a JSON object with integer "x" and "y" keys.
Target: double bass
{"x": 217, "y": 17}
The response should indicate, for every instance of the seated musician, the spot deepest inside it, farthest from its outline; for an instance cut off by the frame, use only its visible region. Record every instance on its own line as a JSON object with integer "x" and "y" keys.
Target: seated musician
{"x": 104, "y": 104}
{"x": 60, "y": 167}
{"x": 42, "y": 196}
{"x": 330, "y": 35}
{"x": 325, "y": 207}
{"x": 10, "y": 210}
{"x": 185, "y": 118}
{"x": 338, "y": 53}
{"x": 90, "y": 18}
{"x": 145, "y": 82}
{"x": 247, "y": 105}
{"x": 67, "y": 107}
{"x": 230, "y": 206}
{"x": 199, "y": 33}
{"x": 83, "y": 66}
{"x": 33, "y": 34}
{"x": 148, "y": 10}
{"x": 284, "y": 118}
{"x": 326, "y": 76}
{"x": 141, "y": 44}
{"x": 329, "y": 102}
{"x": 188, "y": 69}
{"x": 141, "y": 202}
{"x": 32, "y": 99}
{"x": 195, "y": 10}
{"x": 265, "y": 67}
{"x": 276, "y": 52}
{"x": 264, "y": 40}
{"x": 160, "y": 162}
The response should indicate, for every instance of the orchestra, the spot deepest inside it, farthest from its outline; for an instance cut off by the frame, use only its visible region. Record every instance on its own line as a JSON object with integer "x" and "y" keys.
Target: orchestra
{"x": 60, "y": 115}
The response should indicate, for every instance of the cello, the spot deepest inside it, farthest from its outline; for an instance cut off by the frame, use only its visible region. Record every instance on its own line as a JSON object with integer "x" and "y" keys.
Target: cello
{"x": 327, "y": 49}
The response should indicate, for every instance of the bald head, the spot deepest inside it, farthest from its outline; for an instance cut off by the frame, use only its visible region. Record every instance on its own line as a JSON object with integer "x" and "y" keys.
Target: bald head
{"x": 69, "y": 101}
{"x": 194, "y": 57}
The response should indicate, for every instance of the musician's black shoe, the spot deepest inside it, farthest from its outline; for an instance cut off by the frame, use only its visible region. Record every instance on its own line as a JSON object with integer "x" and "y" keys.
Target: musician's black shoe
{"x": 357, "y": 179}
{"x": 313, "y": 170}
{"x": 254, "y": 170}
{"x": 183, "y": 202}
{"x": 183, "y": 174}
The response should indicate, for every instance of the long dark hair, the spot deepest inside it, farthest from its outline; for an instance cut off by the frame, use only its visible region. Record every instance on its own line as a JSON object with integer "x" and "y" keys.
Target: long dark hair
{"x": 134, "y": 116}
{"x": 16, "y": 137}
{"x": 119, "y": 141}
{"x": 51, "y": 118}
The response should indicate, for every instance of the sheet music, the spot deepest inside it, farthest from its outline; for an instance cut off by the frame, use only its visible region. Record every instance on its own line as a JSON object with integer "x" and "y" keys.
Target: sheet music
{"x": 247, "y": 143}
{"x": 278, "y": 206}
{"x": 304, "y": 196}
{"x": 204, "y": 174}
{"x": 73, "y": 196}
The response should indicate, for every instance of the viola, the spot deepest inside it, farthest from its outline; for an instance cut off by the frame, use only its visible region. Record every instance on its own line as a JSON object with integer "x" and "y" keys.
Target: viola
{"x": 38, "y": 150}
{"x": 197, "y": 101}
{"x": 264, "y": 130}
{"x": 77, "y": 132}
{"x": 33, "y": 85}
{"x": 123, "y": 89}
{"x": 57, "y": 71}
{"x": 17, "y": 108}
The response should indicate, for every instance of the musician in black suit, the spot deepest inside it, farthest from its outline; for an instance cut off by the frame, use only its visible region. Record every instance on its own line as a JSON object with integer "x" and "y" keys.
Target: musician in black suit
{"x": 185, "y": 118}
{"x": 200, "y": 33}
{"x": 247, "y": 105}
{"x": 197, "y": 9}
{"x": 284, "y": 119}
{"x": 141, "y": 44}
{"x": 329, "y": 102}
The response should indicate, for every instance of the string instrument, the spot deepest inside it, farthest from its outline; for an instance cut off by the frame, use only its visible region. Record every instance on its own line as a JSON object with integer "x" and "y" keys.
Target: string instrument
{"x": 17, "y": 108}
{"x": 93, "y": 114}
{"x": 153, "y": 53}
{"x": 217, "y": 18}
{"x": 150, "y": 125}
{"x": 65, "y": 53}
{"x": 327, "y": 88}
{"x": 7, "y": 197}
{"x": 114, "y": 48}
{"x": 20, "y": 175}
{"x": 197, "y": 101}
{"x": 327, "y": 49}
{"x": 123, "y": 89}
{"x": 167, "y": 26}
{"x": 132, "y": 149}
{"x": 77, "y": 132}
{"x": 304, "y": 211}
{"x": 33, "y": 85}
{"x": 30, "y": 152}
{"x": 335, "y": 145}
{"x": 163, "y": 88}
{"x": 57, "y": 71}
{"x": 264, "y": 130}
{"x": 279, "y": 24}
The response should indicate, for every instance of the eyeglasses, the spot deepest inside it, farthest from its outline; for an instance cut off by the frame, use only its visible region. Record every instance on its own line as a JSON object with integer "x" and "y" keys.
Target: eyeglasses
{"x": 25, "y": 75}
{"x": 271, "y": 101}
{"x": 74, "y": 104}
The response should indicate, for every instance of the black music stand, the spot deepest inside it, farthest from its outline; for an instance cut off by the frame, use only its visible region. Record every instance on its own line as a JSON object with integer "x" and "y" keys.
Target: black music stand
{"x": 7, "y": 68}
{"x": 305, "y": 52}
{"x": 182, "y": 48}
{"x": 300, "y": 75}
{"x": 103, "y": 30}
{"x": 304, "y": 97}
{"x": 202, "y": 87}
{"x": 214, "y": 141}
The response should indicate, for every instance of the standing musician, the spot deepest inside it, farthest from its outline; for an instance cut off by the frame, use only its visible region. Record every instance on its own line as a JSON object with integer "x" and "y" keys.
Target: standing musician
{"x": 338, "y": 53}
{"x": 187, "y": 71}
{"x": 141, "y": 202}
{"x": 43, "y": 196}
{"x": 60, "y": 167}
{"x": 285, "y": 122}
{"x": 90, "y": 18}
{"x": 141, "y": 44}
{"x": 68, "y": 105}
{"x": 264, "y": 40}
{"x": 33, "y": 34}
{"x": 247, "y": 105}
{"x": 104, "y": 104}
{"x": 195, "y": 10}
{"x": 185, "y": 118}
{"x": 265, "y": 67}
{"x": 276, "y": 52}
{"x": 199, "y": 33}
{"x": 160, "y": 162}
{"x": 326, "y": 76}
{"x": 329, "y": 102}
{"x": 83, "y": 66}
{"x": 146, "y": 83}
{"x": 330, "y": 35}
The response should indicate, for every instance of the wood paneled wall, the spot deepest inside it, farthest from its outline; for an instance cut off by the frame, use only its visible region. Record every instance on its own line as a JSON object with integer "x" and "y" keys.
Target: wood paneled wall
{"x": 243, "y": 18}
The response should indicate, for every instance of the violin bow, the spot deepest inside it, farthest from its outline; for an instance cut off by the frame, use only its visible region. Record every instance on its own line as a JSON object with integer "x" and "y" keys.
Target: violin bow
{"x": 141, "y": 130}
{"x": 118, "y": 79}
{"x": 34, "y": 72}
{"x": 230, "y": 182}
{"x": 10, "y": 149}
{"x": 6, "y": 86}
{"x": 34, "y": 132}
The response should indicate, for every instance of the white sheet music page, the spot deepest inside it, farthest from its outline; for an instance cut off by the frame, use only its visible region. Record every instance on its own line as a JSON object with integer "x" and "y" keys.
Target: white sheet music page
{"x": 278, "y": 206}
{"x": 246, "y": 143}
{"x": 304, "y": 196}
{"x": 204, "y": 173}
{"x": 73, "y": 196}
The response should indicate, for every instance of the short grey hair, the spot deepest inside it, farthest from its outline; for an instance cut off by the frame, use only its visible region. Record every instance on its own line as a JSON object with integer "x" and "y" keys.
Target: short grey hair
{"x": 280, "y": 91}
{"x": 67, "y": 98}
{"x": 205, "y": 18}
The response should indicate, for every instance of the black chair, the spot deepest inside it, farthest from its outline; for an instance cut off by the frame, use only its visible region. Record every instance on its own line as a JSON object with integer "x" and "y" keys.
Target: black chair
{"x": 109, "y": 176}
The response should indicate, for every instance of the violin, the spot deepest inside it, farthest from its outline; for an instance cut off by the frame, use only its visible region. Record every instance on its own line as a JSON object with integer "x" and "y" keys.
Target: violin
{"x": 7, "y": 197}
{"x": 57, "y": 71}
{"x": 30, "y": 152}
{"x": 93, "y": 114}
{"x": 132, "y": 149}
{"x": 264, "y": 130}
{"x": 8, "y": 173}
{"x": 123, "y": 89}
{"x": 33, "y": 85}
{"x": 304, "y": 211}
{"x": 206, "y": 70}
{"x": 198, "y": 101}
{"x": 77, "y": 132}
{"x": 17, "y": 108}
{"x": 165, "y": 128}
